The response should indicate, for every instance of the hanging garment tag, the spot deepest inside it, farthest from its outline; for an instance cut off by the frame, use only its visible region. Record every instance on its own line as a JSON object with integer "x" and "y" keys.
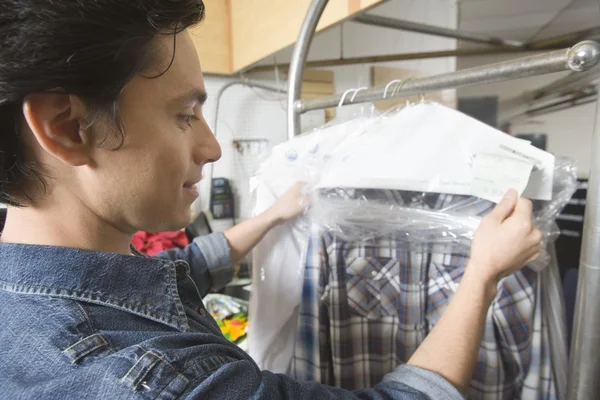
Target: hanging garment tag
{"x": 430, "y": 148}
{"x": 517, "y": 153}
{"x": 494, "y": 175}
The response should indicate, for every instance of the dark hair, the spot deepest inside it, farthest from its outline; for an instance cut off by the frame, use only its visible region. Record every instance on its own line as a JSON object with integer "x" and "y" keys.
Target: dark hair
{"x": 87, "y": 48}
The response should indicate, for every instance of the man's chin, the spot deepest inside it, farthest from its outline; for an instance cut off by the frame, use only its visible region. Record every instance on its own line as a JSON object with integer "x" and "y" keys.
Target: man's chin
{"x": 174, "y": 223}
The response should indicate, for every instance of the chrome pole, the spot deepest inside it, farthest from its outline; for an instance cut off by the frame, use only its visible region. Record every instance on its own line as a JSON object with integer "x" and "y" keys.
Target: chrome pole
{"x": 298, "y": 63}
{"x": 584, "y": 371}
{"x": 581, "y": 57}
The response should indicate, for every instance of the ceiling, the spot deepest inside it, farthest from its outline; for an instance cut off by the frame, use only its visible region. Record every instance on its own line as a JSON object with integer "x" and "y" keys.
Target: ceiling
{"x": 527, "y": 20}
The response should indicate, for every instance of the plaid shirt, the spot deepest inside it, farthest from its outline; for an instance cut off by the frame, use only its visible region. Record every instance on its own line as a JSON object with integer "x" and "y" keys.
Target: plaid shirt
{"x": 367, "y": 306}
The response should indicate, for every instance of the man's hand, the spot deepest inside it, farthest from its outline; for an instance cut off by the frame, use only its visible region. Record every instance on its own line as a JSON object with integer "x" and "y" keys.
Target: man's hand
{"x": 243, "y": 237}
{"x": 505, "y": 241}
{"x": 291, "y": 205}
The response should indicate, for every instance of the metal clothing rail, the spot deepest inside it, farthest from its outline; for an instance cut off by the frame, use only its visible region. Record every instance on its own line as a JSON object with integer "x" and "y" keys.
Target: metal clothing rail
{"x": 581, "y": 57}
{"x": 584, "y": 372}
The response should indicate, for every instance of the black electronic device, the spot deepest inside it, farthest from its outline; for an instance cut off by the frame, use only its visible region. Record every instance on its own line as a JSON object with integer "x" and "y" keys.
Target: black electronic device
{"x": 221, "y": 199}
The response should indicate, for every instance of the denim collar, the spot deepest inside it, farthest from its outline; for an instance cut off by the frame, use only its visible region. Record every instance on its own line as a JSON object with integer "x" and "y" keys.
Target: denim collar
{"x": 140, "y": 285}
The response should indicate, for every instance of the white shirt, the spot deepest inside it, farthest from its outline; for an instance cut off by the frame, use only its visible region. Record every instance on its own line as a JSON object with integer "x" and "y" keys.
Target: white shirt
{"x": 277, "y": 260}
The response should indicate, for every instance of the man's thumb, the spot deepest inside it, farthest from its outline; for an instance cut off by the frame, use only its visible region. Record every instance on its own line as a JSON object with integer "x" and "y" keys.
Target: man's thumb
{"x": 506, "y": 206}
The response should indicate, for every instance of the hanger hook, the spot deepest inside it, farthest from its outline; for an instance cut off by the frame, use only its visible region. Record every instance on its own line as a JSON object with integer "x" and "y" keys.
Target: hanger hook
{"x": 388, "y": 86}
{"x": 356, "y": 92}
{"x": 399, "y": 86}
{"x": 341, "y": 103}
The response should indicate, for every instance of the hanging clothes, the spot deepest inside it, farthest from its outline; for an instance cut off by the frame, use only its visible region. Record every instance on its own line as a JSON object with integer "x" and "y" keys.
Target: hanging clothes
{"x": 366, "y": 307}
{"x": 348, "y": 337}
{"x": 276, "y": 260}
{"x": 386, "y": 252}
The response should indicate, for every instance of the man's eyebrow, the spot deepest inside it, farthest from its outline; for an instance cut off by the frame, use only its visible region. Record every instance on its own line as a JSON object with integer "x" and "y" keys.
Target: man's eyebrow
{"x": 191, "y": 98}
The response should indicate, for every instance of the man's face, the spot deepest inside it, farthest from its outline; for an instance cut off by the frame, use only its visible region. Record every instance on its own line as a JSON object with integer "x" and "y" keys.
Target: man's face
{"x": 149, "y": 183}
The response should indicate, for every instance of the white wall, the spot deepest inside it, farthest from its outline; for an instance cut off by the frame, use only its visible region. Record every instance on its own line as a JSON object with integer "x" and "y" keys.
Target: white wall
{"x": 569, "y": 134}
{"x": 569, "y": 131}
{"x": 244, "y": 113}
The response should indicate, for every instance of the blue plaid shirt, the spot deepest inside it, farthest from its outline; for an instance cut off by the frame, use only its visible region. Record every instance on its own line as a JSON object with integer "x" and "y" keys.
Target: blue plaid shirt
{"x": 367, "y": 306}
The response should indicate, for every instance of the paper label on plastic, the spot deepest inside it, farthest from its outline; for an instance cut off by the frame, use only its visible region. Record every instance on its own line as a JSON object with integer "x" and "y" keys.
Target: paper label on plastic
{"x": 494, "y": 175}
{"x": 429, "y": 148}
{"x": 517, "y": 153}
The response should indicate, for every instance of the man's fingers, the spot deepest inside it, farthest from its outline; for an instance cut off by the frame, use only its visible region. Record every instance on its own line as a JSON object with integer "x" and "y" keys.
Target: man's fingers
{"x": 537, "y": 236}
{"x": 536, "y": 248}
{"x": 506, "y": 206}
{"x": 524, "y": 208}
{"x": 533, "y": 258}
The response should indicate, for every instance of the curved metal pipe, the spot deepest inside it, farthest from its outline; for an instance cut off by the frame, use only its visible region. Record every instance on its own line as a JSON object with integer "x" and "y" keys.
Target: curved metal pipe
{"x": 298, "y": 63}
{"x": 584, "y": 369}
{"x": 246, "y": 83}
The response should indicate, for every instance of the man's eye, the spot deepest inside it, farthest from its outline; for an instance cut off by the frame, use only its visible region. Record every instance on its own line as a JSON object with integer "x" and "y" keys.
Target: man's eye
{"x": 187, "y": 119}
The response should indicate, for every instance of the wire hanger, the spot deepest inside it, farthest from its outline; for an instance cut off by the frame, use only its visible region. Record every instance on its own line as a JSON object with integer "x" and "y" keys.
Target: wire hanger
{"x": 388, "y": 86}
{"x": 355, "y": 91}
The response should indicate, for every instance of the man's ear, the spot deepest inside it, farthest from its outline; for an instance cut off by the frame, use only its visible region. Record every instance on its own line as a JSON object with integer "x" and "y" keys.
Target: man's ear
{"x": 56, "y": 121}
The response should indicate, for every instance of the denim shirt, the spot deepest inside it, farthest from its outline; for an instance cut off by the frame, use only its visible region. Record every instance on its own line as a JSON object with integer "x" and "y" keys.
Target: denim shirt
{"x": 79, "y": 324}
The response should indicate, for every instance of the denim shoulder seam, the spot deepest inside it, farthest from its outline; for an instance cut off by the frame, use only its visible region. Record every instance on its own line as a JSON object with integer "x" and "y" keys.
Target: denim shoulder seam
{"x": 38, "y": 290}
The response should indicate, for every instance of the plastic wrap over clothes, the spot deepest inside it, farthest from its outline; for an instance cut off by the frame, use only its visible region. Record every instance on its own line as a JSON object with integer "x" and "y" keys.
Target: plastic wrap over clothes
{"x": 407, "y": 173}
{"x": 410, "y": 173}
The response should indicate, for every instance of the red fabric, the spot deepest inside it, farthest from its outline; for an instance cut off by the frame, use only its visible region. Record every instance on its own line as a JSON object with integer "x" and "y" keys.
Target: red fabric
{"x": 154, "y": 243}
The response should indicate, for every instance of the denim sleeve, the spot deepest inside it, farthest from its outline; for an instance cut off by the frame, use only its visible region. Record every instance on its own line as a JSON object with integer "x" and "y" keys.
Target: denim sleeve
{"x": 430, "y": 383}
{"x": 210, "y": 262}
{"x": 241, "y": 380}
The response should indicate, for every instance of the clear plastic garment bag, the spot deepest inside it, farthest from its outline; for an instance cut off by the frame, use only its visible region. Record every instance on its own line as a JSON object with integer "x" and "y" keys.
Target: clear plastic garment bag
{"x": 423, "y": 175}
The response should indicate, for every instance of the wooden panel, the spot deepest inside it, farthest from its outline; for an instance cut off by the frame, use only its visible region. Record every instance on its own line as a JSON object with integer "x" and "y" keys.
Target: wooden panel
{"x": 359, "y": 5}
{"x": 318, "y": 83}
{"x": 213, "y": 38}
{"x": 354, "y": 5}
{"x": 381, "y": 76}
{"x": 262, "y": 27}
{"x": 322, "y": 88}
{"x": 368, "y": 3}
{"x": 317, "y": 75}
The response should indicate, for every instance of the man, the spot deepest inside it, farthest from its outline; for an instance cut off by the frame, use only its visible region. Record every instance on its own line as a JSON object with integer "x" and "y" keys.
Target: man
{"x": 103, "y": 135}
